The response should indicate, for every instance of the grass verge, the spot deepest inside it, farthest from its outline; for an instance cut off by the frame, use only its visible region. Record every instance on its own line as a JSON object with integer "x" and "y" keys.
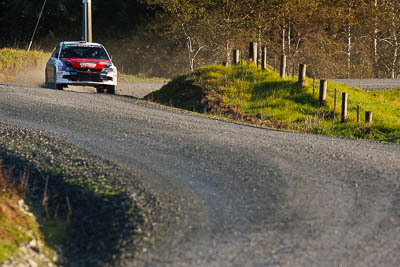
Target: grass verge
{"x": 12, "y": 61}
{"x": 246, "y": 93}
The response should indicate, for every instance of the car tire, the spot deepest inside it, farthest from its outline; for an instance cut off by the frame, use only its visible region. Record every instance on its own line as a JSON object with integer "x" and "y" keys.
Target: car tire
{"x": 110, "y": 89}
{"x": 100, "y": 89}
{"x": 54, "y": 84}
{"x": 46, "y": 80}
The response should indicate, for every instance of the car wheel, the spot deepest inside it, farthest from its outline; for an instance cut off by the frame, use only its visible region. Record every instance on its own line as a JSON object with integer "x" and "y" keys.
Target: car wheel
{"x": 46, "y": 80}
{"x": 100, "y": 89}
{"x": 59, "y": 86}
{"x": 110, "y": 89}
{"x": 54, "y": 84}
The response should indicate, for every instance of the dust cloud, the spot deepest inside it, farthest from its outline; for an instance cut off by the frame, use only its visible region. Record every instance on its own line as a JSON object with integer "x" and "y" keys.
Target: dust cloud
{"x": 30, "y": 76}
{"x": 34, "y": 76}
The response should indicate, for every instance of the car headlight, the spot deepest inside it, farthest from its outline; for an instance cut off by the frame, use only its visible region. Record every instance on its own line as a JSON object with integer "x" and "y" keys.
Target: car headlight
{"x": 108, "y": 70}
{"x": 65, "y": 67}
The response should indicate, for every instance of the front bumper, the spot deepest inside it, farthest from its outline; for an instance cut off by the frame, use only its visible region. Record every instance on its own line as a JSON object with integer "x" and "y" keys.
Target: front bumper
{"x": 86, "y": 79}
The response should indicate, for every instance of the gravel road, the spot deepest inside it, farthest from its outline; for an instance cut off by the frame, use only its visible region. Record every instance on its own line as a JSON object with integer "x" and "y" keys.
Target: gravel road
{"x": 371, "y": 84}
{"x": 245, "y": 196}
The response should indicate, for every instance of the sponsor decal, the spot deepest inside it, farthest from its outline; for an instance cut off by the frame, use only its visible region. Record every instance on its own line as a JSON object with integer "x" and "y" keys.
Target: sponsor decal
{"x": 88, "y": 65}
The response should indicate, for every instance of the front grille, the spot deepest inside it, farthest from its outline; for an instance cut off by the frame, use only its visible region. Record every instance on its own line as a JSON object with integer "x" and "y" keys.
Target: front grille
{"x": 84, "y": 77}
{"x": 88, "y": 70}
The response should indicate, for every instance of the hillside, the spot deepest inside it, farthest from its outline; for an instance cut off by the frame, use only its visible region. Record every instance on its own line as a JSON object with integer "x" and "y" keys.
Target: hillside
{"x": 248, "y": 94}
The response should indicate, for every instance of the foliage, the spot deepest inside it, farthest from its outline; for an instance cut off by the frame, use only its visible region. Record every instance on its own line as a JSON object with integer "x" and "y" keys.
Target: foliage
{"x": 340, "y": 38}
{"x": 62, "y": 20}
{"x": 246, "y": 93}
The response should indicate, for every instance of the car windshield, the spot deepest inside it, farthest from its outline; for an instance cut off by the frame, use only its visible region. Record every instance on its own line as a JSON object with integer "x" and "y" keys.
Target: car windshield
{"x": 83, "y": 52}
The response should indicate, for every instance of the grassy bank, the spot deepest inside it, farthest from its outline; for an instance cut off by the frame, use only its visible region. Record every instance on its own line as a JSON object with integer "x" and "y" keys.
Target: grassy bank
{"x": 12, "y": 61}
{"x": 20, "y": 228}
{"x": 248, "y": 94}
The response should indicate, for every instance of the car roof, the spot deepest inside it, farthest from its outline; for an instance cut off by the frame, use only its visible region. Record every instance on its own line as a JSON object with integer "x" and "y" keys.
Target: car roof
{"x": 79, "y": 43}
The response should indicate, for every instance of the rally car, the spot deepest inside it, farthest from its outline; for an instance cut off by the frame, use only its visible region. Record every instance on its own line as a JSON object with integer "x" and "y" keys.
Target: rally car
{"x": 82, "y": 64}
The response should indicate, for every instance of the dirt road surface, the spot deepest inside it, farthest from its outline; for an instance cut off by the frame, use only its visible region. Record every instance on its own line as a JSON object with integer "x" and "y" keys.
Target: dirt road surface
{"x": 246, "y": 196}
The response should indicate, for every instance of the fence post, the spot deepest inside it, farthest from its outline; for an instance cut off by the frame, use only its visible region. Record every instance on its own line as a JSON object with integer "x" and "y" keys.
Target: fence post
{"x": 323, "y": 87}
{"x": 368, "y": 117}
{"x": 302, "y": 75}
{"x": 344, "y": 106}
{"x": 334, "y": 104}
{"x": 263, "y": 57}
{"x": 236, "y": 57}
{"x": 313, "y": 88}
{"x": 283, "y": 66}
{"x": 253, "y": 52}
{"x": 358, "y": 113}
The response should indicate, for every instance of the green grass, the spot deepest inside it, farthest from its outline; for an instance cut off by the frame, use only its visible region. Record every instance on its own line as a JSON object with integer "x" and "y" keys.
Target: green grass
{"x": 13, "y": 235}
{"x": 18, "y": 233}
{"x": 13, "y": 60}
{"x": 17, "y": 228}
{"x": 263, "y": 98}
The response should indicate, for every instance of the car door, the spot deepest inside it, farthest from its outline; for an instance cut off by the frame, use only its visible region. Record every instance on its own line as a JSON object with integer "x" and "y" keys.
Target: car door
{"x": 51, "y": 65}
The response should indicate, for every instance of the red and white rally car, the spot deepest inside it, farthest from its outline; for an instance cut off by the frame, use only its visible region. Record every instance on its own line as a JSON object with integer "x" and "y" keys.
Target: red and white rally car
{"x": 83, "y": 64}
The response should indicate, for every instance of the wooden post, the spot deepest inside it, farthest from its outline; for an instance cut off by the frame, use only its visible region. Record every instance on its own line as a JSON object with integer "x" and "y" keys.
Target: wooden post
{"x": 236, "y": 57}
{"x": 368, "y": 117}
{"x": 313, "y": 88}
{"x": 344, "y": 107}
{"x": 283, "y": 66}
{"x": 334, "y": 104}
{"x": 264, "y": 58}
{"x": 87, "y": 20}
{"x": 302, "y": 75}
{"x": 358, "y": 113}
{"x": 253, "y": 52}
{"x": 323, "y": 87}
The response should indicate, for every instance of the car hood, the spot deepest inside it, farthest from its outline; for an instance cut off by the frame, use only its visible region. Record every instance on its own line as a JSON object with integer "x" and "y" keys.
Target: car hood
{"x": 87, "y": 63}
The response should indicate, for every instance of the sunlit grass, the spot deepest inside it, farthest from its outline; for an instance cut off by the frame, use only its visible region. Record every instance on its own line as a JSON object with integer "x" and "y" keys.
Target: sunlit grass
{"x": 16, "y": 227}
{"x": 13, "y": 60}
{"x": 263, "y": 94}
